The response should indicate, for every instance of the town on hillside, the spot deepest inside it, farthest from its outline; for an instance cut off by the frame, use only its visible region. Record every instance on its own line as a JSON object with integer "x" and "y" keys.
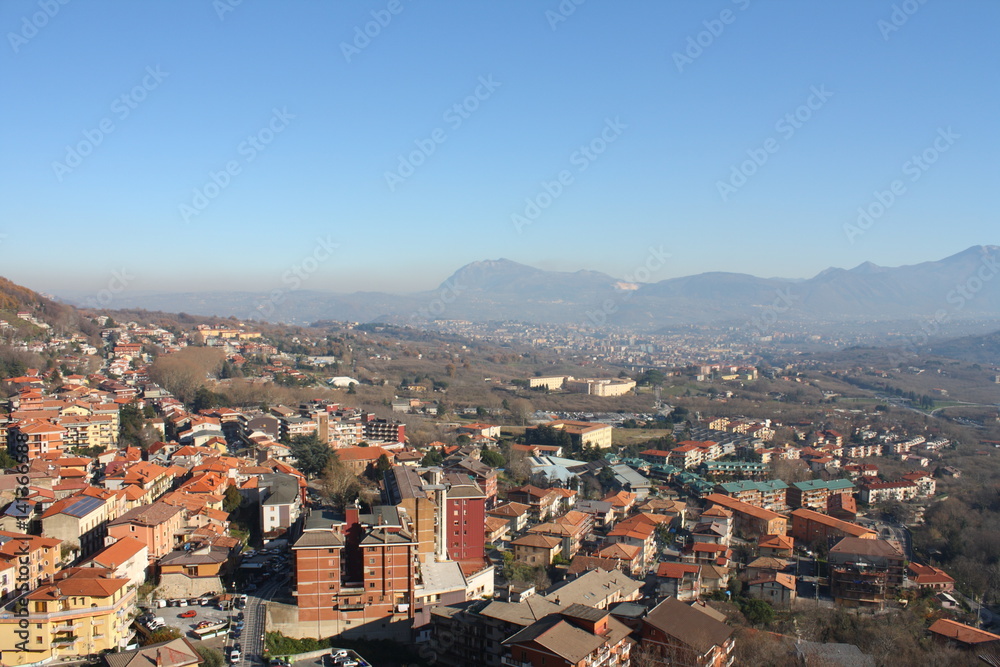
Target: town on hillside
{"x": 209, "y": 492}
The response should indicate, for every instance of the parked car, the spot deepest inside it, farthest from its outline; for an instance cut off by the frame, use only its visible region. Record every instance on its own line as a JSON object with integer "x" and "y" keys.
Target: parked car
{"x": 188, "y": 614}
{"x": 234, "y": 655}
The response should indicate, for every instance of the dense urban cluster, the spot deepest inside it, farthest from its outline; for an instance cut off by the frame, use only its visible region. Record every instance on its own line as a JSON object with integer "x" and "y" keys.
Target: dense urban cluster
{"x": 540, "y": 545}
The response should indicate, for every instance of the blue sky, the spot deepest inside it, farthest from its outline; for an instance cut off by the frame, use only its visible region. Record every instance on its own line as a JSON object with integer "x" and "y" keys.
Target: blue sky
{"x": 310, "y": 118}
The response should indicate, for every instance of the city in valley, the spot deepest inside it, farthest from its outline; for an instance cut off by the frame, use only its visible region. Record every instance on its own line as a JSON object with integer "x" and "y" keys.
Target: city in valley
{"x": 467, "y": 494}
{"x": 499, "y": 334}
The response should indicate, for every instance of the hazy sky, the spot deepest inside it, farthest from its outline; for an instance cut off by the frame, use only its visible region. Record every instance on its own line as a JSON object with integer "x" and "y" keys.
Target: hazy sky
{"x": 199, "y": 145}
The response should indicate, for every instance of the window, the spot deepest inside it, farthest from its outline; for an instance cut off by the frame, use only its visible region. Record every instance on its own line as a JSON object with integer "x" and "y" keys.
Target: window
{"x": 371, "y": 585}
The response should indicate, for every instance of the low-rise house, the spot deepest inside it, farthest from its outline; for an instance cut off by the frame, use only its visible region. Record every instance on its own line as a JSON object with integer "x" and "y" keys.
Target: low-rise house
{"x": 127, "y": 558}
{"x": 602, "y": 511}
{"x": 639, "y": 531}
{"x": 516, "y": 515}
{"x": 597, "y": 588}
{"x": 958, "y": 634}
{"x": 536, "y": 549}
{"x": 928, "y": 577}
{"x": 674, "y": 633}
{"x": 572, "y": 528}
{"x": 158, "y": 526}
{"x": 864, "y": 572}
{"x": 79, "y": 521}
{"x": 679, "y": 580}
{"x": 777, "y": 588}
{"x": 622, "y": 502}
{"x": 543, "y": 503}
{"x": 629, "y": 557}
{"x": 775, "y": 546}
{"x": 577, "y": 635}
{"x": 751, "y": 521}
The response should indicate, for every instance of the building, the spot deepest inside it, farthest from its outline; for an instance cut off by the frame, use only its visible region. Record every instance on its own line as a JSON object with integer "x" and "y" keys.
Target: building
{"x": 178, "y": 652}
{"x": 355, "y": 576}
{"x": 577, "y": 636}
{"x": 597, "y": 588}
{"x": 776, "y": 588}
{"x": 960, "y": 635}
{"x": 751, "y": 521}
{"x": 809, "y": 526}
{"x": 159, "y": 526}
{"x": 472, "y": 633}
{"x": 679, "y": 580}
{"x": 534, "y": 549}
{"x": 281, "y": 506}
{"x": 771, "y": 495}
{"x": 127, "y": 558}
{"x": 360, "y": 459}
{"x": 81, "y": 612}
{"x": 674, "y": 633}
{"x": 874, "y": 491}
{"x": 928, "y": 577}
{"x": 814, "y": 493}
{"x": 582, "y": 434}
{"x": 599, "y": 386}
{"x": 80, "y": 521}
{"x": 864, "y": 572}
{"x": 542, "y": 503}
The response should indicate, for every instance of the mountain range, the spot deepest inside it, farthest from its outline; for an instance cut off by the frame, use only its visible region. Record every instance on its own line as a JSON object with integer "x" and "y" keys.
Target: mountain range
{"x": 959, "y": 286}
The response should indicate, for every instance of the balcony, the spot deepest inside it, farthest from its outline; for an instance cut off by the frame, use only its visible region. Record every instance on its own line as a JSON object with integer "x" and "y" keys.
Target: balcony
{"x": 511, "y": 662}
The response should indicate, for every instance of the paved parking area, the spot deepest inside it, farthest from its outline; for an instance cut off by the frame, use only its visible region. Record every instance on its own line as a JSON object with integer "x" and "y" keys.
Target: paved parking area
{"x": 172, "y": 616}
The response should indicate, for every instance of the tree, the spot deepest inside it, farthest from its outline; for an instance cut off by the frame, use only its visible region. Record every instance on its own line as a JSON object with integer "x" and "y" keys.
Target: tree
{"x": 6, "y": 460}
{"x": 232, "y": 499}
{"x": 205, "y": 399}
{"x": 131, "y": 426}
{"x": 757, "y": 612}
{"x": 382, "y": 465}
{"x": 311, "y": 455}
{"x": 340, "y": 486}
{"x": 161, "y": 635}
{"x": 432, "y": 458}
{"x": 492, "y": 458}
{"x": 211, "y": 657}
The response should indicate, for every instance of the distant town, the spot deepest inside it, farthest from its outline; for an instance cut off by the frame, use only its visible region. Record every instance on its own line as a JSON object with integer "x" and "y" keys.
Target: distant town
{"x": 243, "y": 494}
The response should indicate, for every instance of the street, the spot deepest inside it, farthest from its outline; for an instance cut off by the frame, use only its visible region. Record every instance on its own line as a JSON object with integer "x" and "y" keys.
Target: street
{"x": 254, "y": 618}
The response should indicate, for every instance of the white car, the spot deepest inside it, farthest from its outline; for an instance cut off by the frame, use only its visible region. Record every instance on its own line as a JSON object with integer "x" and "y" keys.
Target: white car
{"x": 234, "y": 656}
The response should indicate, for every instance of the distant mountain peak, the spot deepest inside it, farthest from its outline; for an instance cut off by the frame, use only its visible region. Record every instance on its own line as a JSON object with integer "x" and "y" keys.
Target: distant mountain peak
{"x": 868, "y": 267}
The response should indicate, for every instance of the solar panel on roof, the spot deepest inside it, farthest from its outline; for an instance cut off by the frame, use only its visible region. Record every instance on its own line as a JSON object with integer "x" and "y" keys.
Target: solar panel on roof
{"x": 83, "y": 506}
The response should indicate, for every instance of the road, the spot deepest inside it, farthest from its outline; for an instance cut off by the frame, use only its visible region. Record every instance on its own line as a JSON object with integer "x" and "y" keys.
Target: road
{"x": 254, "y": 618}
